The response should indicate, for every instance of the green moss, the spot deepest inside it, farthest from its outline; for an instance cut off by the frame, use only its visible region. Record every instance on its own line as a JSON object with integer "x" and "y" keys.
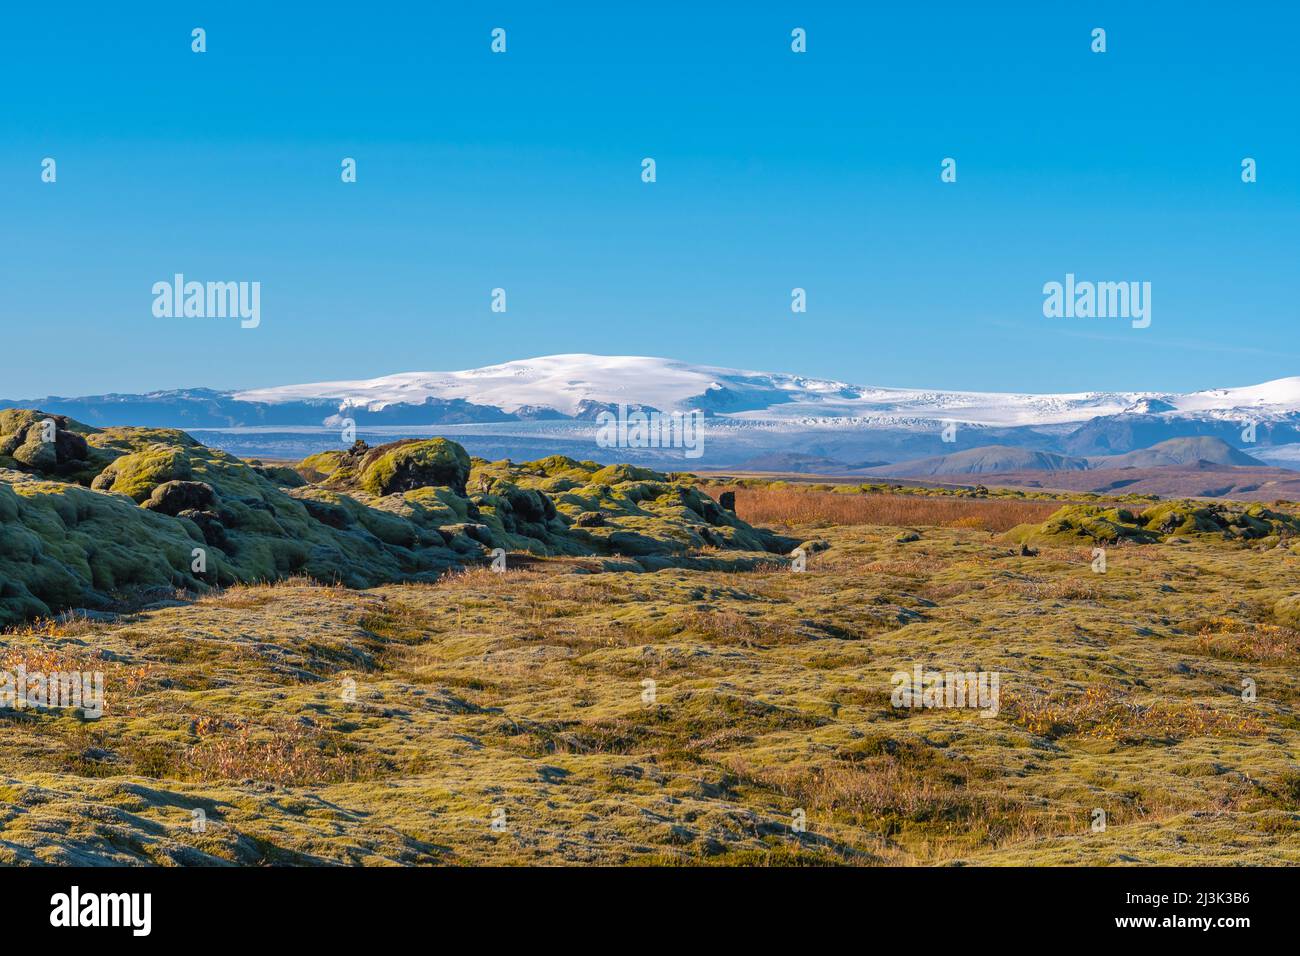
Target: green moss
{"x": 282, "y": 476}
{"x": 398, "y": 512}
{"x": 319, "y": 466}
{"x": 1287, "y": 612}
{"x": 615, "y": 474}
{"x": 1218, "y": 520}
{"x": 1083, "y": 523}
{"x": 66, "y": 455}
{"x": 405, "y": 467}
{"x": 64, "y": 546}
{"x": 527, "y": 692}
{"x": 137, "y": 474}
{"x": 1221, "y": 522}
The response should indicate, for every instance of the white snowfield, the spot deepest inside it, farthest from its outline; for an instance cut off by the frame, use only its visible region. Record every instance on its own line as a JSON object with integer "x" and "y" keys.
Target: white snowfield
{"x": 564, "y": 382}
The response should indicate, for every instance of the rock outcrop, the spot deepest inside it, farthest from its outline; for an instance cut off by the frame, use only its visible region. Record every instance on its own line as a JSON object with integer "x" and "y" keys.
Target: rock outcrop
{"x": 1254, "y": 524}
{"x": 90, "y": 517}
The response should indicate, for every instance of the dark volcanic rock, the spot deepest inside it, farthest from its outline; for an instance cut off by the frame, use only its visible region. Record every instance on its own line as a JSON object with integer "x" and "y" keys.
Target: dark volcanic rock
{"x": 173, "y": 497}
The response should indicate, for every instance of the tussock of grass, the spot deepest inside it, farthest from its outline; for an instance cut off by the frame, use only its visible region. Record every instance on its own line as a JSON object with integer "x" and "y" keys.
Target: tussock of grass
{"x": 1108, "y": 715}
{"x": 288, "y": 755}
{"x": 1231, "y": 639}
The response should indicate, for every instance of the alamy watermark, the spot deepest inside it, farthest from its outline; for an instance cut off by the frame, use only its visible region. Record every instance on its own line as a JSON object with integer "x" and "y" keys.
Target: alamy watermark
{"x": 208, "y": 300}
{"x": 935, "y": 689}
{"x": 652, "y": 429}
{"x": 75, "y": 908}
{"x": 76, "y": 690}
{"x": 1098, "y": 300}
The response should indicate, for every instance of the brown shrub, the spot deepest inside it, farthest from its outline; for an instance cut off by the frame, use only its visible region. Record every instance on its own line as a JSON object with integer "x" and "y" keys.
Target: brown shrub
{"x": 1232, "y": 640}
{"x": 290, "y": 755}
{"x": 791, "y": 506}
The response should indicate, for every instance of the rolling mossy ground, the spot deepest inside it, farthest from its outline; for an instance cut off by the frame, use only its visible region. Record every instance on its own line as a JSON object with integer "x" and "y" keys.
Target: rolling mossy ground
{"x": 646, "y": 682}
{"x": 94, "y": 518}
{"x": 564, "y": 713}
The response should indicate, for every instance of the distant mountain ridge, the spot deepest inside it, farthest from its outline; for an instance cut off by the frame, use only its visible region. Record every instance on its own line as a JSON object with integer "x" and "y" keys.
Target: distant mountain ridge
{"x": 1002, "y": 459}
{"x": 987, "y": 459}
{"x": 550, "y": 403}
{"x": 1178, "y": 451}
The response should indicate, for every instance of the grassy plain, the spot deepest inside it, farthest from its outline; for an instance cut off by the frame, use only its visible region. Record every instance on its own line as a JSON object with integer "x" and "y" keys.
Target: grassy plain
{"x": 561, "y": 714}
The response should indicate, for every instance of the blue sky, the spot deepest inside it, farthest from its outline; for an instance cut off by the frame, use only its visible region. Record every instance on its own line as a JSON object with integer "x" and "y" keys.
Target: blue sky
{"x": 775, "y": 170}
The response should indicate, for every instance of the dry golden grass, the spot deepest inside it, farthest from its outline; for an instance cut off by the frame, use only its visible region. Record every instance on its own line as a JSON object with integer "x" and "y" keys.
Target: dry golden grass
{"x": 727, "y": 628}
{"x": 771, "y": 699}
{"x": 290, "y": 755}
{"x": 881, "y": 787}
{"x": 787, "y": 507}
{"x": 1106, "y": 714}
{"x": 259, "y": 593}
{"x": 126, "y": 680}
{"x": 72, "y": 625}
{"x": 1229, "y": 639}
{"x": 1069, "y": 589}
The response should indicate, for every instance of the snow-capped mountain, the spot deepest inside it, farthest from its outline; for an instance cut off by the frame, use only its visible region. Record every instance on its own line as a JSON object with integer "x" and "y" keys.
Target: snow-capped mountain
{"x": 545, "y": 405}
{"x": 569, "y": 384}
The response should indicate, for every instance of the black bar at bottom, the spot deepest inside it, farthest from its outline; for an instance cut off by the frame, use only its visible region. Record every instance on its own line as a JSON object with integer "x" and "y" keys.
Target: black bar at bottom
{"x": 331, "y": 906}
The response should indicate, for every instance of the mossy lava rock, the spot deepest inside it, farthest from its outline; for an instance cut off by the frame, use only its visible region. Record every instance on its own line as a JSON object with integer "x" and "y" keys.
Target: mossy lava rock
{"x": 393, "y": 469}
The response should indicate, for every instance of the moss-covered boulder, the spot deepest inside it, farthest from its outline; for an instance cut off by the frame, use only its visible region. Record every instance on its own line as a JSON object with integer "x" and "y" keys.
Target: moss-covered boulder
{"x": 619, "y": 510}
{"x": 1287, "y": 612}
{"x": 174, "y": 497}
{"x": 617, "y": 474}
{"x": 1219, "y": 520}
{"x": 63, "y": 546}
{"x": 1075, "y": 524}
{"x": 320, "y": 466}
{"x": 52, "y": 446}
{"x": 136, "y": 475}
{"x": 36, "y": 453}
{"x": 1255, "y": 525}
{"x": 404, "y": 466}
{"x": 281, "y": 475}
